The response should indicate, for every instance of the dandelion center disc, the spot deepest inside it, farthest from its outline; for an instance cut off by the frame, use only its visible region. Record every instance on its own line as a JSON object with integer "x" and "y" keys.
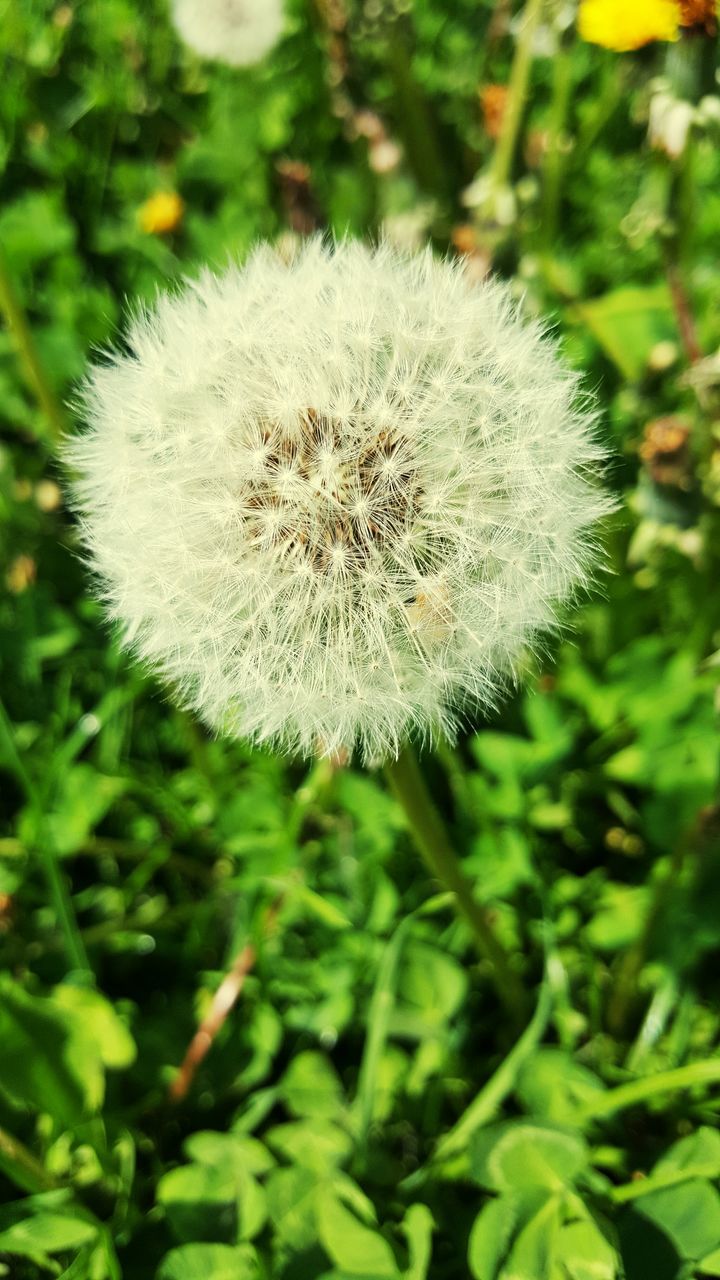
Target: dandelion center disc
{"x": 328, "y": 499}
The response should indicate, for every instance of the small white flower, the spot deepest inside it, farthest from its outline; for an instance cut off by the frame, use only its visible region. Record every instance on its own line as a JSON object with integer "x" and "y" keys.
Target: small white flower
{"x": 670, "y": 122}
{"x": 332, "y": 500}
{"x": 238, "y": 32}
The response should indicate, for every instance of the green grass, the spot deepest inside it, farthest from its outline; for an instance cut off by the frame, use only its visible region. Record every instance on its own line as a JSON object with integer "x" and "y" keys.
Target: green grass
{"x": 367, "y": 1109}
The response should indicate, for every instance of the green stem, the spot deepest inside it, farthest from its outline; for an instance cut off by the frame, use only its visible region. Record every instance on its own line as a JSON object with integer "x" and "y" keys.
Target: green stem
{"x": 21, "y": 1166}
{"x": 46, "y": 852}
{"x": 630, "y": 1191}
{"x": 24, "y": 343}
{"x": 488, "y": 1102}
{"x": 407, "y": 782}
{"x": 624, "y": 992}
{"x": 554, "y": 160}
{"x": 378, "y": 1022}
{"x": 413, "y": 117}
{"x": 502, "y": 160}
{"x": 612, "y": 86}
{"x": 629, "y": 1095}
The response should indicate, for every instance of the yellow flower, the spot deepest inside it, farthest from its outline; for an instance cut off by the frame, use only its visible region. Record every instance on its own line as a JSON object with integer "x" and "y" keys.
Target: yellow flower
{"x": 628, "y": 24}
{"x": 161, "y": 213}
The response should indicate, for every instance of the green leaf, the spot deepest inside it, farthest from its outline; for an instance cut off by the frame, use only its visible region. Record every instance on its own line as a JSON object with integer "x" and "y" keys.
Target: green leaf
{"x": 315, "y": 1144}
{"x": 291, "y": 1206}
{"x": 432, "y": 982}
{"x": 35, "y": 228}
{"x": 688, "y": 1214}
{"x": 377, "y": 816}
{"x": 310, "y": 1087}
{"x": 628, "y": 322}
{"x": 234, "y": 1149}
{"x": 46, "y": 1233}
{"x": 199, "y": 1202}
{"x": 45, "y": 1064}
{"x": 534, "y": 1252}
{"x": 710, "y": 1266}
{"x": 516, "y": 1155}
{"x": 586, "y": 1254}
{"x": 417, "y": 1226}
{"x": 96, "y": 1021}
{"x": 618, "y": 918}
{"x": 552, "y": 1087}
{"x": 318, "y": 906}
{"x": 84, "y": 799}
{"x": 219, "y": 1195}
{"x": 495, "y": 1228}
{"x": 699, "y": 1150}
{"x": 355, "y": 1248}
{"x": 210, "y": 1262}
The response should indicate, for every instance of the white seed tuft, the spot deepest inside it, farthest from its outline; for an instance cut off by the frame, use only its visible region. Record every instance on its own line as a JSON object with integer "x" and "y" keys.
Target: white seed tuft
{"x": 332, "y": 500}
{"x": 238, "y": 32}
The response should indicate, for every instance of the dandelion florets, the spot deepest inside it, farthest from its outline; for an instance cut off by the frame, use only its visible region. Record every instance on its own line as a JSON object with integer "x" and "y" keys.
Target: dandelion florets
{"x": 238, "y": 32}
{"x": 333, "y": 500}
{"x": 623, "y": 27}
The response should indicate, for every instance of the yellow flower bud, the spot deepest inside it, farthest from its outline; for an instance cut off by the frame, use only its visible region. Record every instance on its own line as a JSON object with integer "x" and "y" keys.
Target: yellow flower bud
{"x": 163, "y": 212}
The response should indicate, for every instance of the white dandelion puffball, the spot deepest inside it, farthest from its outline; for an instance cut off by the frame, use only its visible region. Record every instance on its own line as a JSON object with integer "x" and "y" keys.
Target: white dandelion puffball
{"x": 331, "y": 500}
{"x": 238, "y": 32}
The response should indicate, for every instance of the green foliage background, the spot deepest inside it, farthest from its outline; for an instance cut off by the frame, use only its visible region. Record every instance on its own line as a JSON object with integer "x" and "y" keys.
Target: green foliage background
{"x": 366, "y": 1110}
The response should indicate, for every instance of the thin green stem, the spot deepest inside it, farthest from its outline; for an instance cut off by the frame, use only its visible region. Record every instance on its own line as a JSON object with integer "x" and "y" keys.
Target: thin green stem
{"x": 407, "y": 782}
{"x": 414, "y": 119}
{"x": 21, "y": 1166}
{"x": 46, "y": 851}
{"x": 611, "y": 79}
{"x": 630, "y": 1191}
{"x": 491, "y": 1097}
{"x": 622, "y": 997}
{"x": 554, "y": 159}
{"x": 378, "y": 1021}
{"x": 24, "y": 343}
{"x": 502, "y": 161}
{"x": 635, "y": 1091}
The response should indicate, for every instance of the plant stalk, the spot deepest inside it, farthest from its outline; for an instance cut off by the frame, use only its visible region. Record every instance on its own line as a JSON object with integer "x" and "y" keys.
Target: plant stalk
{"x": 555, "y": 156}
{"x": 21, "y": 1166}
{"x": 414, "y": 118}
{"x": 676, "y": 1080}
{"x": 24, "y": 343}
{"x": 623, "y": 995}
{"x": 502, "y": 161}
{"x": 428, "y": 830}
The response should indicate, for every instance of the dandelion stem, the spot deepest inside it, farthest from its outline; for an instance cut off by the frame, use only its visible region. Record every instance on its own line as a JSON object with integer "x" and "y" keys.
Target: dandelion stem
{"x": 407, "y": 782}
{"x": 502, "y": 161}
{"x": 24, "y": 343}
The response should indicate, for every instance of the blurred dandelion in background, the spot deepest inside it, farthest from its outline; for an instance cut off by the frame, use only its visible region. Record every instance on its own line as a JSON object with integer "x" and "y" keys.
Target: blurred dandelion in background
{"x": 334, "y": 500}
{"x": 238, "y": 32}
{"x": 161, "y": 213}
{"x": 622, "y": 26}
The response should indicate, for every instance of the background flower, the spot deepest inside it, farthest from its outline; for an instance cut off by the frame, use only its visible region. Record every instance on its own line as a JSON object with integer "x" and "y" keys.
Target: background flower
{"x": 623, "y": 26}
{"x": 239, "y": 32}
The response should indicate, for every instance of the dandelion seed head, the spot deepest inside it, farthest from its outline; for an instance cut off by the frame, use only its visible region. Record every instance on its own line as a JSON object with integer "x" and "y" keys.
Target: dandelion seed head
{"x": 237, "y": 32}
{"x": 333, "y": 500}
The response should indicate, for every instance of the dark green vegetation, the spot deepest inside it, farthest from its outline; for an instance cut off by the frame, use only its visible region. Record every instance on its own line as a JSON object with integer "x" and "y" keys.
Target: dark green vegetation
{"x": 363, "y": 1111}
